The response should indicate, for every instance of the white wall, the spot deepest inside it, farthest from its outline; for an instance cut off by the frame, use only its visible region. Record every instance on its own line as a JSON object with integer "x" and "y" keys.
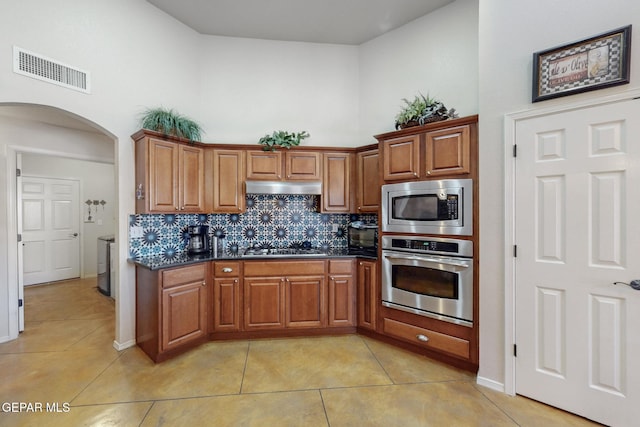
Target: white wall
{"x": 97, "y": 182}
{"x": 436, "y": 55}
{"x": 252, "y": 87}
{"x": 138, "y": 57}
{"x": 510, "y": 32}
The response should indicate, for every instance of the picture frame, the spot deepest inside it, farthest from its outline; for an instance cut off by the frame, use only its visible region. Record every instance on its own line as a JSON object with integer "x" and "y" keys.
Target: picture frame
{"x": 595, "y": 63}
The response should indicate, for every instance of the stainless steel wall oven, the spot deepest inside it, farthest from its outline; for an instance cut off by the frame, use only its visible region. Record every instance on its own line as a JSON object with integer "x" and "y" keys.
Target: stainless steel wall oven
{"x": 429, "y": 276}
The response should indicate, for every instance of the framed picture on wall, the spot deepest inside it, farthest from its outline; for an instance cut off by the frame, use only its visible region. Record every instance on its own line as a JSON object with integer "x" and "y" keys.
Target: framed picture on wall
{"x": 595, "y": 63}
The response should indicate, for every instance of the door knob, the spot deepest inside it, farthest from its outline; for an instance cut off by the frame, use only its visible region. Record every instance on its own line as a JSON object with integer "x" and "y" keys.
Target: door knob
{"x": 635, "y": 284}
{"x": 73, "y": 235}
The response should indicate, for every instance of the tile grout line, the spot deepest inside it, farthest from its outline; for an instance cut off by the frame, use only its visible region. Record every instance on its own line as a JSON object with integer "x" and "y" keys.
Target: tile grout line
{"x": 495, "y": 404}
{"x": 324, "y": 407}
{"x": 244, "y": 369}
{"x": 120, "y": 354}
{"x": 146, "y": 414}
{"x": 377, "y": 360}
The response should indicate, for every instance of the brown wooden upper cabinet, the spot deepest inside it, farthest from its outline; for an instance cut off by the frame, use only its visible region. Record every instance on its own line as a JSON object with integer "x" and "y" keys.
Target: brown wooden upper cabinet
{"x": 368, "y": 182}
{"x": 431, "y": 151}
{"x": 225, "y": 171}
{"x": 447, "y": 151}
{"x": 169, "y": 176}
{"x": 278, "y": 165}
{"x": 402, "y": 158}
{"x": 336, "y": 182}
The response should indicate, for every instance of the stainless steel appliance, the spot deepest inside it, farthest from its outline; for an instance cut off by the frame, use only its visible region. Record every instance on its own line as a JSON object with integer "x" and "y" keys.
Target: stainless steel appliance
{"x": 106, "y": 275}
{"x": 428, "y": 207}
{"x": 429, "y": 276}
{"x": 301, "y": 249}
{"x": 362, "y": 239}
{"x": 198, "y": 239}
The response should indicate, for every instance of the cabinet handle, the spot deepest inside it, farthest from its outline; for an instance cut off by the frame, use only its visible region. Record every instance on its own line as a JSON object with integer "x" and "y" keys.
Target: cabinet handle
{"x": 235, "y": 280}
{"x": 204, "y": 283}
{"x": 428, "y": 172}
{"x": 227, "y": 270}
{"x": 177, "y": 208}
{"x": 415, "y": 174}
{"x": 422, "y": 338}
{"x": 182, "y": 208}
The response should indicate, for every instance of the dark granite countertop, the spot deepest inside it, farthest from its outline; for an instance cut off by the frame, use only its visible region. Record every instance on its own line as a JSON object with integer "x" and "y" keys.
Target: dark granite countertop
{"x": 159, "y": 262}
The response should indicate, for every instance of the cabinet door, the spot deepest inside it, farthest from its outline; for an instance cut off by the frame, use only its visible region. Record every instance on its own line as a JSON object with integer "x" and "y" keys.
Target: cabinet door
{"x": 163, "y": 176}
{"x": 301, "y": 165}
{"x": 448, "y": 151}
{"x": 304, "y": 301}
{"x": 401, "y": 158}
{"x": 368, "y": 185}
{"x": 184, "y": 314}
{"x": 228, "y": 170}
{"x": 191, "y": 179}
{"x": 226, "y": 304}
{"x": 336, "y": 182}
{"x": 263, "y": 303}
{"x": 341, "y": 301}
{"x": 367, "y": 294}
{"x": 264, "y": 165}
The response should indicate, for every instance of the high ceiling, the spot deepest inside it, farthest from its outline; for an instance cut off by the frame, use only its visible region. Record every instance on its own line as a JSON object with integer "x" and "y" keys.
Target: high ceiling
{"x": 351, "y": 22}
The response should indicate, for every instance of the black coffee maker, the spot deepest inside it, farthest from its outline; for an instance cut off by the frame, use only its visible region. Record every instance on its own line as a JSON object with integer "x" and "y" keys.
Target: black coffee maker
{"x": 198, "y": 239}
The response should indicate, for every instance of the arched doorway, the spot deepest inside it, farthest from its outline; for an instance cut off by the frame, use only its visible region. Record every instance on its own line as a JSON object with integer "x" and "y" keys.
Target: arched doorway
{"x": 40, "y": 130}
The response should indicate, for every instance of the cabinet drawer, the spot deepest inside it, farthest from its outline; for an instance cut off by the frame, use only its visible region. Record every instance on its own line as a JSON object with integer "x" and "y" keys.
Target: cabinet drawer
{"x": 183, "y": 275}
{"x": 282, "y": 268}
{"x": 226, "y": 269}
{"x": 340, "y": 266}
{"x": 427, "y": 338}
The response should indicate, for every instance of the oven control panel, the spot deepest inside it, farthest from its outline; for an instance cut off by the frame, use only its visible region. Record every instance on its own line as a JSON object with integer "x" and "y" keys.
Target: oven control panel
{"x": 432, "y": 245}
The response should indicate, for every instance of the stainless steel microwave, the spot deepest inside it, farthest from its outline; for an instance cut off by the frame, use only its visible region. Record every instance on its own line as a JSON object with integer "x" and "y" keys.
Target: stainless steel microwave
{"x": 428, "y": 207}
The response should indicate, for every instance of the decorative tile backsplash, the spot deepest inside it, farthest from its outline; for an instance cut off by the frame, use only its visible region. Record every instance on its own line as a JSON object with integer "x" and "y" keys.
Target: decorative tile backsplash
{"x": 272, "y": 221}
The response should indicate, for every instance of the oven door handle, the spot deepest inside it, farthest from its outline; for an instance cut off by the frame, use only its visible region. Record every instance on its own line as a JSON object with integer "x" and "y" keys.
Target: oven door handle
{"x": 446, "y": 261}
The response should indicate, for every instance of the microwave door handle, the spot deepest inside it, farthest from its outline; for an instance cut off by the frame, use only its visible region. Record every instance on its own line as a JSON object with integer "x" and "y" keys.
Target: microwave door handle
{"x": 427, "y": 259}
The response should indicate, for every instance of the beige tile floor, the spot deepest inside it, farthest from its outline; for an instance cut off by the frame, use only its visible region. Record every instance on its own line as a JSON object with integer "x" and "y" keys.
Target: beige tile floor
{"x": 66, "y": 357}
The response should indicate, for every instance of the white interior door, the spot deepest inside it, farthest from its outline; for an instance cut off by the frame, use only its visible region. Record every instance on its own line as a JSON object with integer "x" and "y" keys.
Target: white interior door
{"x": 50, "y": 229}
{"x": 577, "y": 230}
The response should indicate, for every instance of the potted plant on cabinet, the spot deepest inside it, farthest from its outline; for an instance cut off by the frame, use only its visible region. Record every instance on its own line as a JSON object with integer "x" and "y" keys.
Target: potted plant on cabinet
{"x": 169, "y": 122}
{"x": 422, "y": 110}
{"x": 281, "y": 139}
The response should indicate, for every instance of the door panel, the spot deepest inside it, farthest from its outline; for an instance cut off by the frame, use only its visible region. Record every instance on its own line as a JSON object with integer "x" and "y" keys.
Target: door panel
{"x": 50, "y": 229}
{"x": 577, "y": 198}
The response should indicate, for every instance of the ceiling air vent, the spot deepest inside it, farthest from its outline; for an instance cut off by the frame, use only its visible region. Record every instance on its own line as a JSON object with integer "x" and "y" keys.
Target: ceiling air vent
{"x": 48, "y": 70}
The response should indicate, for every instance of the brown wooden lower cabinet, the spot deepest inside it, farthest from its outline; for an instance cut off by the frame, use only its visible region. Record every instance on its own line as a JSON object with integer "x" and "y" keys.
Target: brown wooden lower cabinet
{"x": 171, "y": 309}
{"x": 427, "y": 338}
{"x": 368, "y": 294}
{"x": 286, "y": 294}
{"x": 263, "y": 303}
{"x": 176, "y": 310}
{"x": 227, "y": 296}
{"x": 304, "y": 302}
{"x": 341, "y": 307}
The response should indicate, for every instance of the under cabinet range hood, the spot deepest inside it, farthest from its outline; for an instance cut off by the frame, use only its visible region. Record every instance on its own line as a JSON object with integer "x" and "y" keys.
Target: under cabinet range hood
{"x": 283, "y": 187}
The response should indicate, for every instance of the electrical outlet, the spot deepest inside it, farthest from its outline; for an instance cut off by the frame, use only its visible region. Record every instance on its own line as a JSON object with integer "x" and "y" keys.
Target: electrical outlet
{"x": 136, "y": 232}
{"x": 334, "y": 228}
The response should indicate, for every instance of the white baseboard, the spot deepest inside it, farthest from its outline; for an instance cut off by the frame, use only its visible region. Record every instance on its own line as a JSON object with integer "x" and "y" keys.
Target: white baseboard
{"x": 493, "y": 385}
{"x": 122, "y": 346}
